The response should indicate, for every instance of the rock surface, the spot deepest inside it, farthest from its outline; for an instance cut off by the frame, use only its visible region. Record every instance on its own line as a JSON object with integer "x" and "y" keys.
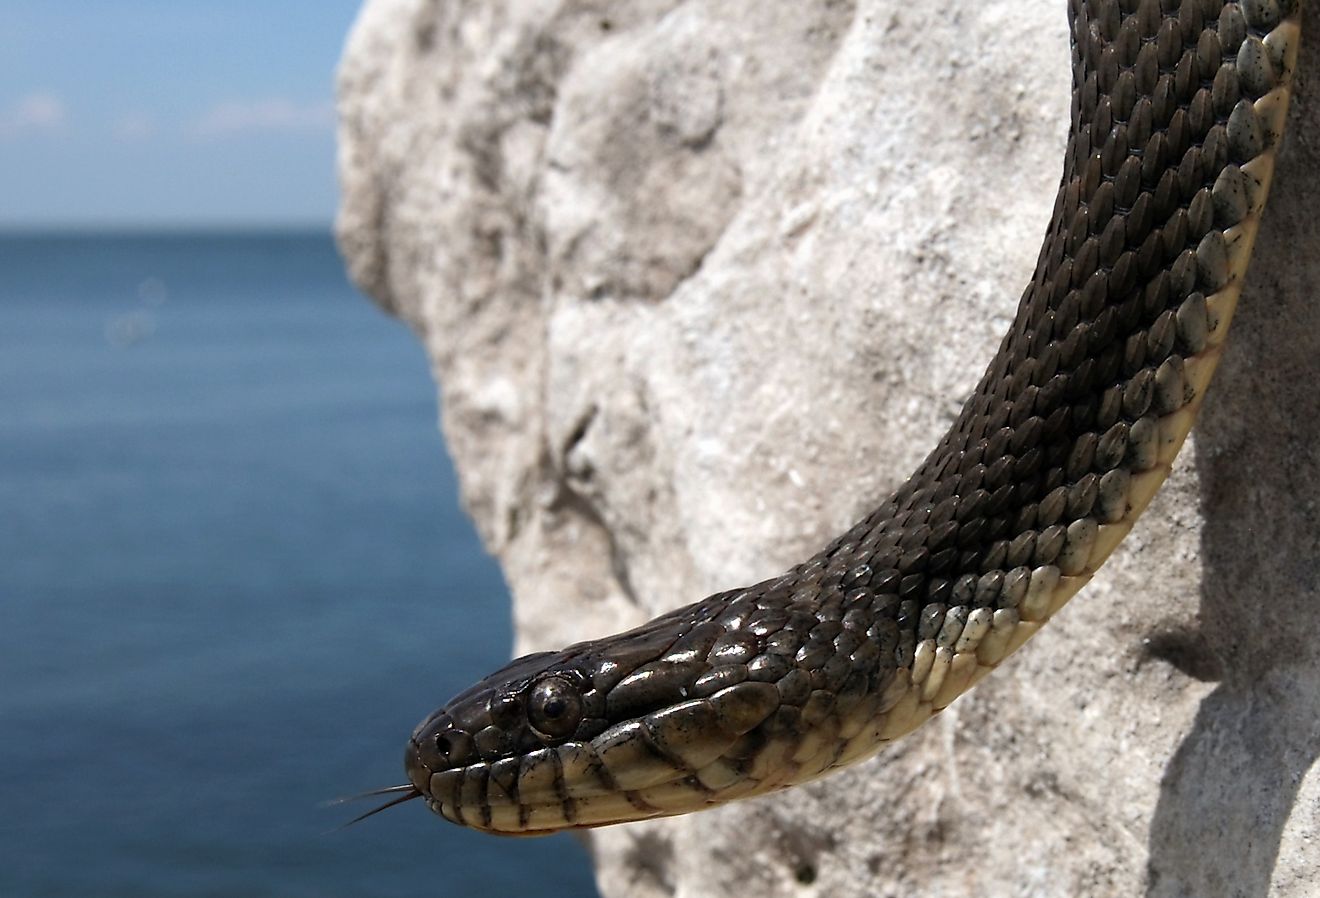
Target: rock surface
{"x": 703, "y": 281}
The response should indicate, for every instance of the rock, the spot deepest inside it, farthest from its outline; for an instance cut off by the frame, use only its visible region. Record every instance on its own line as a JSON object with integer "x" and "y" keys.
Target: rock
{"x": 702, "y": 282}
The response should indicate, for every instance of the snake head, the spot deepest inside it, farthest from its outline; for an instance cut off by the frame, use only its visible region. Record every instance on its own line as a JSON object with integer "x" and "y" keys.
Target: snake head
{"x": 672, "y": 717}
{"x": 474, "y": 758}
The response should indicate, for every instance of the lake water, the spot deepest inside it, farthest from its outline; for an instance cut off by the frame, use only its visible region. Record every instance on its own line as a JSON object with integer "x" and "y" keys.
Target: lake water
{"x": 233, "y": 576}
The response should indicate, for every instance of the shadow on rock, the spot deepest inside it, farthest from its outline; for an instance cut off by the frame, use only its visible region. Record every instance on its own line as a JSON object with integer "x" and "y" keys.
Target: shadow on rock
{"x": 1229, "y": 789}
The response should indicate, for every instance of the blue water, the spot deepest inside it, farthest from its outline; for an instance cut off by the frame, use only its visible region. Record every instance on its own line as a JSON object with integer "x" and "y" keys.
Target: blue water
{"x": 233, "y": 576}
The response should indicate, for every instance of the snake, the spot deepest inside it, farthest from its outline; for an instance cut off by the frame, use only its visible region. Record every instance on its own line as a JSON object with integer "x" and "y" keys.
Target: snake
{"x": 1177, "y": 113}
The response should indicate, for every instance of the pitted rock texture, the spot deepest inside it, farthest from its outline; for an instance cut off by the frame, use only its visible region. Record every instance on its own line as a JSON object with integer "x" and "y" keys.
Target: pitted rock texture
{"x": 702, "y": 283}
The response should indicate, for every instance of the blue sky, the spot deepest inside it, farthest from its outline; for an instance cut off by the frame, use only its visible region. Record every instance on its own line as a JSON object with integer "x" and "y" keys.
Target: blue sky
{"x": 168, "y": 112}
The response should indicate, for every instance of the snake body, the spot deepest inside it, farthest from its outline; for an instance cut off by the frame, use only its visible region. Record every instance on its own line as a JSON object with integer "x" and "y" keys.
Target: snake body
{"x": 1178, "y": 108}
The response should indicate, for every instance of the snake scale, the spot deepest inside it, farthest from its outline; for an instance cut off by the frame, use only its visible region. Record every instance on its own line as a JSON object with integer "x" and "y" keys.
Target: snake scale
{"x": 1178, "y": 108}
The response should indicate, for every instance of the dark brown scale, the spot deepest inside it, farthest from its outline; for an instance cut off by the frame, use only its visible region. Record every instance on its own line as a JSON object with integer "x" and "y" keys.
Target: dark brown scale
{"x": 768, "y": 668}
{"x": 718, "y": 678}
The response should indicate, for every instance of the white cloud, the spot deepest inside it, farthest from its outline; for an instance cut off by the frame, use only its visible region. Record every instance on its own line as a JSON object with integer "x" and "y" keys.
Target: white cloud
{"x": 33, "y": 114}
{"x": 273, "y": 115}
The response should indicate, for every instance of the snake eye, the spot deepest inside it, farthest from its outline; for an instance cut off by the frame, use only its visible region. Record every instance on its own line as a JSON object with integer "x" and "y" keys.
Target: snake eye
{"x": 554, "y": 707}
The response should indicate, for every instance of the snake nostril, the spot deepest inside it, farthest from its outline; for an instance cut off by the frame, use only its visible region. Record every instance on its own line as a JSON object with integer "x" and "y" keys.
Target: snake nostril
{"x": 453, "y": 748}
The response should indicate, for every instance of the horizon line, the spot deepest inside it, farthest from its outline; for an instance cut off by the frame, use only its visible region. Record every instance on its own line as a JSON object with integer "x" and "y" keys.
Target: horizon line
{"x": 128, "y": 228}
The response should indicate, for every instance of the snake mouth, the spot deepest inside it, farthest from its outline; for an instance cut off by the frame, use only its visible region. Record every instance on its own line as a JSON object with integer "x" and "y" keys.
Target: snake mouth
{"x": 739, "y": 742}
{"x": 683, "y": 758}
{"x": 564, "y": 787}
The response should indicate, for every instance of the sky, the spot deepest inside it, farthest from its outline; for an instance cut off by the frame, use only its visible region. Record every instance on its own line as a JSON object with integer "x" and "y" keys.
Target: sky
{"x": 144, "y": 113}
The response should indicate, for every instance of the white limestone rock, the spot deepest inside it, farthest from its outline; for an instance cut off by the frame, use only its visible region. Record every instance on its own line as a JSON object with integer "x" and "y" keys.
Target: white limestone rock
{"x": 703, "y": 281}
